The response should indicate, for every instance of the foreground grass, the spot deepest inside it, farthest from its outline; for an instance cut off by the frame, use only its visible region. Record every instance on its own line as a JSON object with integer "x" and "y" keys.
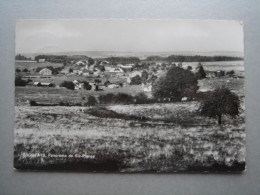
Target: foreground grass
{"x": 125, "y": 143}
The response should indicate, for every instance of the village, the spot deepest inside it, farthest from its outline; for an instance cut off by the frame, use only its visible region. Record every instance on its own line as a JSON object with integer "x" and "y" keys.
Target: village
{"x": 103, "y": 75}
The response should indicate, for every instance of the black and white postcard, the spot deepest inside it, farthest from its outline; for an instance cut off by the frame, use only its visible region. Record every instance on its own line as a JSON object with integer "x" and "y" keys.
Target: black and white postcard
{"x": 129, "y": 96}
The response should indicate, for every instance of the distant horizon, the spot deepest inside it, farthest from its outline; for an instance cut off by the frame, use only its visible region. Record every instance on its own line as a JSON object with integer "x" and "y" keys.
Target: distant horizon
{"x": 104, "y": 54}
{"x": 136, "y": 36}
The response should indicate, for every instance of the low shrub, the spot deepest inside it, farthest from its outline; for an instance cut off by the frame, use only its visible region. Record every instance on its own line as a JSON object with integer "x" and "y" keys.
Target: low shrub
{"x": 120, "y": 98}
{"x": 141, "y": 98}
{"x": 68, "y": 85}
{"x": 92, "y": 101}
{"x": 33, "y": 103}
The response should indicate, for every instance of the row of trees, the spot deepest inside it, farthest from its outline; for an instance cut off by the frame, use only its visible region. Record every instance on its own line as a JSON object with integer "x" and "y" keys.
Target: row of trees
{"x": 21, "y": 57}
{"x": 123, "y": 60}
{"x": 196, "y": 58}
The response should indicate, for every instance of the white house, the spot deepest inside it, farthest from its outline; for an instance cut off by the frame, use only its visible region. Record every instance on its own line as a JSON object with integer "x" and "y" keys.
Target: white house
{"x": 112, "y": 86}
{"x": 64, "y": 71}
{"x": 45, "y": 71}
{"x": 41, "y": 60}
{"x": 36, "y": 83}
{"x": 104, "y": 62}
{"x": 127, "y": 66}
{"x": 81, "y": 62}
{"x": 147, "y": 87}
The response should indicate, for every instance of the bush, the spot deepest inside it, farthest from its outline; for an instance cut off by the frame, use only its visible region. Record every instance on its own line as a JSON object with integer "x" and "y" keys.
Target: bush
{"x": 107, "y": 83}
{"x": 64, "y": 104}
{"x": 123, "y": 98}
{"x": 141, "y": 98}
{"x": 120, "y": 98}
{"x": 136, "y": 80}
{"x": 87, "y": 86}
{"x": 107, "y": 98}
{"x": 91, "y": 101}
{"x": 68, "y": 85}
{"x": 19, "y": 81}
{"x": 232, "y": 72}
{"x": 33, "y": 103}
{"x": 144, "y": 76}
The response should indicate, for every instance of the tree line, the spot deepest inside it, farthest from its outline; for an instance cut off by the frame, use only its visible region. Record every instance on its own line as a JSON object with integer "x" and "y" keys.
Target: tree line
{"x": 21, "y": 57}
{"x": 196, "y": 58}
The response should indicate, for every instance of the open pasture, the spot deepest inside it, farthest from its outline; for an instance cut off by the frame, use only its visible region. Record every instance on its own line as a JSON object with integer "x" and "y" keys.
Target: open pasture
{"x": 56, "y": 95}
{"x": 127, "y": 145}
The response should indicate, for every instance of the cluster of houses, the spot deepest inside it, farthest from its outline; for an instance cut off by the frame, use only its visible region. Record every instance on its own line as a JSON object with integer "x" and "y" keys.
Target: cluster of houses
{"x": 221, "y": 73}
{"x": 124, "y": 72}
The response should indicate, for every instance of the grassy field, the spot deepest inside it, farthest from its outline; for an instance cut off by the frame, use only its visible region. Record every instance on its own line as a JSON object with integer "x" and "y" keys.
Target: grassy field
{"x": 56, "y": 95}
{"x": 151, "y": 142}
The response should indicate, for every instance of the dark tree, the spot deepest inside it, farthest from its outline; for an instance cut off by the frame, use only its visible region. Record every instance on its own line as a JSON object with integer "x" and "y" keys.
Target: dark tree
{"x": 144, "y": 76}
{"x": 154, "y": 69}
{"x": 25, "y": 70}
{"x": 86, "y": 85}
{"x": 200, "y": 72}
{"x": 189, "y": 68}
{"x": 92, "y": 101}
{"x": 102, "y": 68}
{"x": 107, "y": 83}
{"x": 68, "y": 85}
{"x": 19, "y": 81}
{"x": 90, "y": 61}
{"x": 152, "y": 79}
{"x": 136, "y": 80}
{"x": 141, "y": 98}
{"x": 17, "y": 70}
{"x": 97, "y": 81}
{"x": 38, "y": 69}
{"x": 220, "y": 102}
{"x": 70, "y": 70}
{"x": 177, "y": 83}
{"x": 230, "y": 73}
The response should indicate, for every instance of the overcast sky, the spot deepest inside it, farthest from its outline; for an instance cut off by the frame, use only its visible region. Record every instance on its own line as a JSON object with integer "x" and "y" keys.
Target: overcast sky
{"x": 34, "y": 36}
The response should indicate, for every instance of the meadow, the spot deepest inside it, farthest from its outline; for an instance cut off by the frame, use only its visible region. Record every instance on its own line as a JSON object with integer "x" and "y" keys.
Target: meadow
{"x": 56, "y": 95}
{"x": 153, "y": 142}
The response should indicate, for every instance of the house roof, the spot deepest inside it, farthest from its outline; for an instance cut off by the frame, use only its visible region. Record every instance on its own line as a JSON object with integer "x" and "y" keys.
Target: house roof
{"x": 45, "y": 83}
